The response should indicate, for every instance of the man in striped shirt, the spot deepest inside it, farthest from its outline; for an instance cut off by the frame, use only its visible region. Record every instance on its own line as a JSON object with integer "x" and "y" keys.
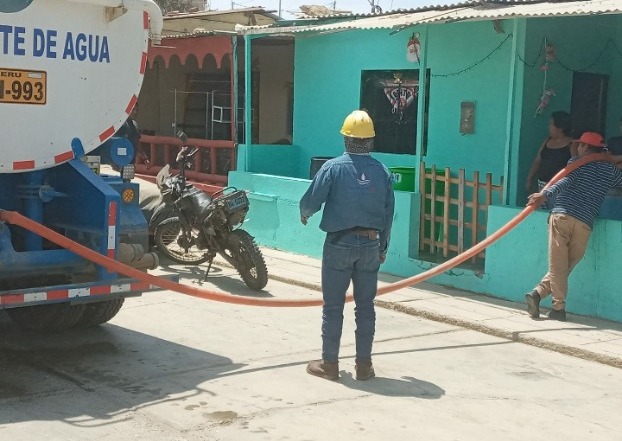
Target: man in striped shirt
{"x": 579, "y": 196}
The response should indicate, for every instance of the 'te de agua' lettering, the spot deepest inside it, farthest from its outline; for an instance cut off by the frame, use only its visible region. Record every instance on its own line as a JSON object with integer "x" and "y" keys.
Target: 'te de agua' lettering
{"x": 45, "y": 44}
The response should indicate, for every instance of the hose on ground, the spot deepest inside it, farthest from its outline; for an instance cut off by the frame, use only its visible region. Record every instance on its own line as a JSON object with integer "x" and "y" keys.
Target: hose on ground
{"x": 112, "y": 265}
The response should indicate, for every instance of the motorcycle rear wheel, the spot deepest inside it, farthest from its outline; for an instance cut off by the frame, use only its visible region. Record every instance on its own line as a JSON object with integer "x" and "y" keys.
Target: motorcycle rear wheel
{"x": 251, "y": 264}
{"x": 167, "y": 237}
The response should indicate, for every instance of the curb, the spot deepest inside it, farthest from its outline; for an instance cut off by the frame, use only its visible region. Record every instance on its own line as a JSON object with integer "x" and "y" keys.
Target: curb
{"x": 495, "y": 332}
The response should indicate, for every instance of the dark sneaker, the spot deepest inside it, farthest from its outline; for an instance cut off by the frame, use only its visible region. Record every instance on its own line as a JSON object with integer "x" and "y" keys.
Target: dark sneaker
{"x": 364, "y": 370}
{"x": 559, "y": 315}
{"x": 324, "y": 369}
{"x": 533, "y": 304}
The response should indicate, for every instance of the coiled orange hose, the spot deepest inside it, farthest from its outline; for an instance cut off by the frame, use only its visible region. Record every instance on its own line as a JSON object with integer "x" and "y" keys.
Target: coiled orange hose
{"x": 117, "y": 267}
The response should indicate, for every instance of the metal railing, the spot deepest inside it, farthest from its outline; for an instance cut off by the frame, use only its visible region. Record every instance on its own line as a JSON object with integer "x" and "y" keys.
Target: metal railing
{"x": 212, "y": 163}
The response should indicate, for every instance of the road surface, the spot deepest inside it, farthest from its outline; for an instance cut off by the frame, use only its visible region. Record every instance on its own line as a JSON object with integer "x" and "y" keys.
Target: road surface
{"x": 171, "y": 367}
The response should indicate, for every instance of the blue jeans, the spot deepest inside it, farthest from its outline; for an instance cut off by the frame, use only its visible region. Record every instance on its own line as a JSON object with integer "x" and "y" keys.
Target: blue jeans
{"x": 351, "y": 258}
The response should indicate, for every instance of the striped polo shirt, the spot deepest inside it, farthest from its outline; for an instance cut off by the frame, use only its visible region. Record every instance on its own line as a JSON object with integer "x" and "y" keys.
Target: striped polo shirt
{"x": 581, "y": 193}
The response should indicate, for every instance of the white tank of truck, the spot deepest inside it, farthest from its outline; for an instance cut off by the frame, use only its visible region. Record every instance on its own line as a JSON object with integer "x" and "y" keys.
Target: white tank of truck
{"x": 68, "y": 69}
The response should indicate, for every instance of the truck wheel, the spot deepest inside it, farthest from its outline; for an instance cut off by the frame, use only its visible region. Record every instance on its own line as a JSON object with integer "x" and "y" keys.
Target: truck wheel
{"x": 99, "y": 313}
{"x": 47, "y": 318}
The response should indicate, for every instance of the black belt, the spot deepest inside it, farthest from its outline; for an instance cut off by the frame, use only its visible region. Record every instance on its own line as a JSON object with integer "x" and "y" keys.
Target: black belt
{"x": 359, "y": 231}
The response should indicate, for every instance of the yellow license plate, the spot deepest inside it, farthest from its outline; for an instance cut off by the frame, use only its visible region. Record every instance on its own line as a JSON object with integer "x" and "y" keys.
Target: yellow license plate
{"x": 23, "y": 86}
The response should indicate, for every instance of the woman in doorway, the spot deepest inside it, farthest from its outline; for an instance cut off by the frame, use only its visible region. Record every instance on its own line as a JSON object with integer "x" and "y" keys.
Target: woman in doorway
{"x": 553, "y": 155}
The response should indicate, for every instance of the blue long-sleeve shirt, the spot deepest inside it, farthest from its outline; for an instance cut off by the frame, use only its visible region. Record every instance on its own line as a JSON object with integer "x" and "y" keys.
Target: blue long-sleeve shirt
{"x": 581, "y": 193}
{"x": 356, "y": 191}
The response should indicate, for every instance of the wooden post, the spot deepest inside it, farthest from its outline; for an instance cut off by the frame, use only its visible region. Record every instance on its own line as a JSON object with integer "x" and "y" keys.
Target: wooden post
{"x": 475, "y": 212}
{"x": 433, "y": 211}
{"x": 446, "y": 200}
{"x": 461, "y": 210}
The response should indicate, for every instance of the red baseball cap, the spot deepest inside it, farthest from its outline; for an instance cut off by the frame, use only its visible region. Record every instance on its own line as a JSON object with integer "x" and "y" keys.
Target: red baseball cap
{"x": 592, "y": 139}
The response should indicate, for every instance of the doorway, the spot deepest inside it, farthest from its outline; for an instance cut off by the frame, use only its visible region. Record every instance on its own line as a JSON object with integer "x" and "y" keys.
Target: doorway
{"x": 589, "y": 102}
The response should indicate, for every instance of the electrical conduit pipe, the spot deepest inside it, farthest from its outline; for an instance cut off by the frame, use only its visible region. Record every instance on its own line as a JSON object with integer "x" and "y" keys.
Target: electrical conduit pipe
{"x": 117, "y": 267}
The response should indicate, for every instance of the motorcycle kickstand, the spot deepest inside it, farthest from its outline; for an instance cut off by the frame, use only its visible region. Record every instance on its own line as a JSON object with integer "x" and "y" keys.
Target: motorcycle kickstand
{"x": 209, "y": 267}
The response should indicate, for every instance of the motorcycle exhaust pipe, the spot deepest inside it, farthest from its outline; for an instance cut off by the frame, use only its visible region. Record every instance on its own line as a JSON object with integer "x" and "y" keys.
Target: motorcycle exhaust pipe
{"x": 134, "y": 255}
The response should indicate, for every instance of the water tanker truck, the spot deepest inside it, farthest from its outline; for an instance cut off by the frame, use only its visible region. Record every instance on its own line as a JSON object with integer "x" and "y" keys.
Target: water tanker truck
{"x": 70, "y": 74}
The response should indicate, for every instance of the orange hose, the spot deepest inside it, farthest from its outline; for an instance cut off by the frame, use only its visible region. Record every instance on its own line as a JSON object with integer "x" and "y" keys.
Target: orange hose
{"x": 117, "y": 267}
{"x": 478, "y": 248}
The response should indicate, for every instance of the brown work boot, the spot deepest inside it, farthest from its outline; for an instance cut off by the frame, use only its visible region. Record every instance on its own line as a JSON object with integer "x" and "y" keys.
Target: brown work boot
{"x": 324, "y": 369}
{"x": 364, "y": 370}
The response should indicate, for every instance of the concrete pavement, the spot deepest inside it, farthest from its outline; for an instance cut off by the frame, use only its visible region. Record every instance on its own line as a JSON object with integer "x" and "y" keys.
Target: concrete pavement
{"x": 585, "y": 337}
{"x": 171, "y": 367}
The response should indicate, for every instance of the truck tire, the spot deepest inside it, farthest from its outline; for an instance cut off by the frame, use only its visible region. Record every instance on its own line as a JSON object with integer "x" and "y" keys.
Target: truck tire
{"x": 47, "y": 318}
{"x": 98, "y": 313}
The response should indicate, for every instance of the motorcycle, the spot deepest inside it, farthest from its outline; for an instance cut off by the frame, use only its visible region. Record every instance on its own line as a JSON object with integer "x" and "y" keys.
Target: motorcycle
{"x": 189, "y": 227}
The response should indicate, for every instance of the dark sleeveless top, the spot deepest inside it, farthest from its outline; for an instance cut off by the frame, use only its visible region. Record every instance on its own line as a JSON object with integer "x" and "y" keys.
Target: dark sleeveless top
{"x": 552, "y": 161}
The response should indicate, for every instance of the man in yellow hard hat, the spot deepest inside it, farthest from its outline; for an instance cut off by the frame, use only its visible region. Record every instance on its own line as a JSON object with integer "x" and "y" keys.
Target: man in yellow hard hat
{"x": 357, "y": 193}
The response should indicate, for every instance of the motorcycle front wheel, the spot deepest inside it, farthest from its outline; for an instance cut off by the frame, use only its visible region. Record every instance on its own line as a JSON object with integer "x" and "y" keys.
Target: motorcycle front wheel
{"x": 170, "y": 240}
{"x": 250, "y": 262}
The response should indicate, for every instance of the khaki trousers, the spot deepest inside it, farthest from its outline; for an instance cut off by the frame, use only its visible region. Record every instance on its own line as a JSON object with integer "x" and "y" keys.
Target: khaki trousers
{"x": 568, "y": 238}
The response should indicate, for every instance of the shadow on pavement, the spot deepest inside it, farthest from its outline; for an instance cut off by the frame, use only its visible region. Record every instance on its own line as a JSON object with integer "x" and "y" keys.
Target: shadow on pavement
{"x": 224, "y": 279}
{"x": 390, "y": 387}
{"x": 72, "y": 376}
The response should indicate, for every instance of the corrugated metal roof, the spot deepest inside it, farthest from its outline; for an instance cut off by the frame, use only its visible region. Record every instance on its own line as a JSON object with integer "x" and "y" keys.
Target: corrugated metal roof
{"x": 449, "y": 4}
{"x": 189, "y": 35}
{"x": 200, "y": 14}
{"x": 466, "y": 12}
{"x": 441, "y": 5}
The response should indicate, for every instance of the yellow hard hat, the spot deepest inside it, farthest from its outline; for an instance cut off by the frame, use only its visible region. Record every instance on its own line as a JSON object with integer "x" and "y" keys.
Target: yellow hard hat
{"x": 358, "y": 124}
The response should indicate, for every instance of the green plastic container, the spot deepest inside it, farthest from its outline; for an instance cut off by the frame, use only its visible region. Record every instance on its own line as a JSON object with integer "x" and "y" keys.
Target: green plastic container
{"x": 403, "y": 178}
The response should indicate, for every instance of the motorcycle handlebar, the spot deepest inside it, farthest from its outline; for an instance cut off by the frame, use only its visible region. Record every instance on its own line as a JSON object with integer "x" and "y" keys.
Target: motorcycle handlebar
{"x": 184, "y": 155}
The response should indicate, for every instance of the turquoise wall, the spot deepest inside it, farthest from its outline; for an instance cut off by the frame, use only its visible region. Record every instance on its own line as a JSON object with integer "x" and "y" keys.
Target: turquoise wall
{"x": 594, "y": 285}
{"x": 579, "y": 41}
{"x": 274, "y": 217}
{"x": 281, "y": 160}
{"x": 327, "y": 88}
